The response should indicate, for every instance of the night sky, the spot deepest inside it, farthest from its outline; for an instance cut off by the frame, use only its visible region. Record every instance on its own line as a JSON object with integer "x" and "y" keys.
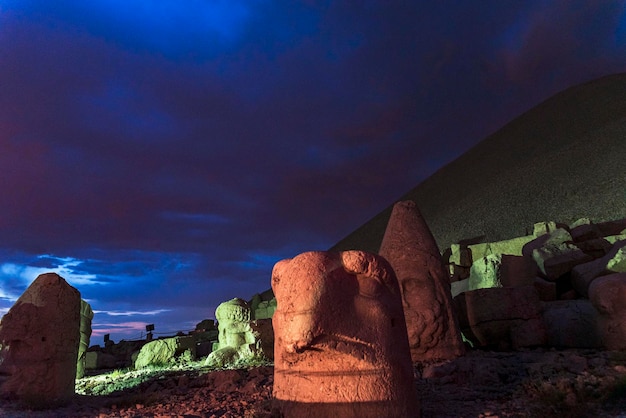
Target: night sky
{"x": 162, "y": 155}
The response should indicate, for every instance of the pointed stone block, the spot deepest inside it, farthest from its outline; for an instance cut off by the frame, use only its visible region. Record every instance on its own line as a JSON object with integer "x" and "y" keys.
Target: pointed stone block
{"x": 431, "y": 320}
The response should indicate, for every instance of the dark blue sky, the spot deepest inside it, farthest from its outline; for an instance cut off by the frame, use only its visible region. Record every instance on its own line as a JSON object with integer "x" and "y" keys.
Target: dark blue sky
{"x": 163, "y": 155}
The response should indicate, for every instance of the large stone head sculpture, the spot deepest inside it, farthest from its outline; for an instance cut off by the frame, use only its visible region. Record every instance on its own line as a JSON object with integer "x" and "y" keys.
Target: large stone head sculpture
{"x": 341, "y": 346}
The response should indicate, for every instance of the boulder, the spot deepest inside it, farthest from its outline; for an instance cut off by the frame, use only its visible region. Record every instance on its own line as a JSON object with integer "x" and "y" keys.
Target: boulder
{"x": 86, "y": 315}
{"x": 571, "y": 324}
{"x": 608, "y": 293}
{"x": 500, "y": 270}
{"x": 431, "y": 320}
{"x": 164, "y": 351}
{"x": 39, "y": 340}
{"x": 502, "y": 317}
{"x": 341, "y": 341}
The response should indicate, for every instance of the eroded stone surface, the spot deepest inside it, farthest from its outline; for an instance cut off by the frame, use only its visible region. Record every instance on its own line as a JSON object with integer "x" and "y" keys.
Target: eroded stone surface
{"x": 608, "y": 293}
{"x": 86, "y": 315}
{"x": 431, "y": 320}
{"x": 502, "y": 317}
{"x": 341, "y": 345}
{"x": 164, "y": 351}
{"x": 239, "y": 337}
{"x": 39, "y": 337}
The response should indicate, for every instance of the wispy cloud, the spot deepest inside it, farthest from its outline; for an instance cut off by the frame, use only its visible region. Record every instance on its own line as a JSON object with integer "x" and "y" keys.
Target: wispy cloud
{"x": 132, "y": 313}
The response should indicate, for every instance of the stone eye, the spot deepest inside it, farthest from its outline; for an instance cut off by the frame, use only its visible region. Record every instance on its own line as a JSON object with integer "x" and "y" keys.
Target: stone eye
{"x": 369, "y": 287}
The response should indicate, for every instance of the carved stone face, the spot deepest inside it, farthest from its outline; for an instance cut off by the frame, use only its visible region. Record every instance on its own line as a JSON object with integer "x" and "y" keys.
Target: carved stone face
{"x": 340, "y": 337}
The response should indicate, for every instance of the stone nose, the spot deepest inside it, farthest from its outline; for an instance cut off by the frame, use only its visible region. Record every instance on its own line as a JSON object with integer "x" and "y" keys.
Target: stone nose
{"x": 301, "y": 330}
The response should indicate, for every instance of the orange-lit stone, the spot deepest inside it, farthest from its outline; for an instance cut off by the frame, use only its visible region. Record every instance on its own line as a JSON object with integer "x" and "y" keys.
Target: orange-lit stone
{"x": 431, "y": 321}
{"x": 341, "y": 347}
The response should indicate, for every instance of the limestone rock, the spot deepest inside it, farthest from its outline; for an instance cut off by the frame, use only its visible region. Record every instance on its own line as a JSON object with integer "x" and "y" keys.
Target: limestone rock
{"x": 411, "y": 250}
{"x": 608, "y": 293}
{"x": 341, "y": 343}
{"x": 86, "y": 315}
{"x": 500, "y": 270}
{"x": 502, "y": 317}
{"x": 164, "y": 351}
{"x": 571, "y": 324}
{"x": 39, "y": 340}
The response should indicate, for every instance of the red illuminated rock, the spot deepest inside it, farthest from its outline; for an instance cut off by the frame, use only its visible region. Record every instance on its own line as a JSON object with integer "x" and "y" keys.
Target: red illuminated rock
{"x": 431, "y": 321}
{"x": 608, "y": 293}
{"x": 341, "y": 347}
{"x": 39, "y": 337}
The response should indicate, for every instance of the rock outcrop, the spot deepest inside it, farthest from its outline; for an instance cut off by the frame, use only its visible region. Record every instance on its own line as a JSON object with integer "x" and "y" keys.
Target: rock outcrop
{"x": 341, "y": 345}
{"x": 39, "y": 340}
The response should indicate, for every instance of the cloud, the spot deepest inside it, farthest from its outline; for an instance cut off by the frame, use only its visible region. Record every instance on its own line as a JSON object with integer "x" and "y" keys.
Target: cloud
{"x": 131, "y": 313}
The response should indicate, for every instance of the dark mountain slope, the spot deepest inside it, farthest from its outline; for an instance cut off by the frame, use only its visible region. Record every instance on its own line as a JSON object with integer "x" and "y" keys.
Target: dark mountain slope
{"x": 563, "y": 159}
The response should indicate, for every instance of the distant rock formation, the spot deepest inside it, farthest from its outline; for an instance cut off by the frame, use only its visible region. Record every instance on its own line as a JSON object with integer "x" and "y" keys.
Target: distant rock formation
{"x": 39, "y": 340}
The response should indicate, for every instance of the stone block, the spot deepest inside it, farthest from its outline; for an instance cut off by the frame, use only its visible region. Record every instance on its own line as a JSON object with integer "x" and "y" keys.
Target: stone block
{"x": 459, "y": 287}
{"x": 555, "y": 254}
{"x": 543, "y": 228}
{"x": 500, "y": 270}
{"x": 607, "y": 294}
{"x": 545, "y": 289}
{"x": 496, "y": 317}
{"x": 571, "y": 324}
{"x": 511, "y": 246}
{"x": 613, "y": 262}
{"x": 460, "y": 256}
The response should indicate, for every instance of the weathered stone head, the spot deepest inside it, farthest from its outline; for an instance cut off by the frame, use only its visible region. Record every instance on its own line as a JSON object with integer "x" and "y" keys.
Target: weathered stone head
{"x": 341, "y": 346}
{"x": 39, "y": 339}
{"x": 239, "y": 337}
{"x": 412, "y": 251}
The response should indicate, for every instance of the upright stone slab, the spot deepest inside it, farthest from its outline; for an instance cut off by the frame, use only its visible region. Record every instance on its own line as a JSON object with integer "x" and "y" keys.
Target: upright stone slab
{"x": 86, "y": 315}
{"x": 39, "y": 339}
{"x": 431, "y": 319}
{"x": 341, "y": 347}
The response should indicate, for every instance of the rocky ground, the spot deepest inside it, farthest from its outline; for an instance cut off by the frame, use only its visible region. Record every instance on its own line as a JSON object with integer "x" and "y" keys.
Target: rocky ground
{"x": 533, "y": 383}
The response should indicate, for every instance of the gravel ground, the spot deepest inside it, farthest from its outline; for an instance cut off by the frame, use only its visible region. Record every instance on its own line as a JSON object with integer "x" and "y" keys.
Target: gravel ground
{"x": 533, "y": 383}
